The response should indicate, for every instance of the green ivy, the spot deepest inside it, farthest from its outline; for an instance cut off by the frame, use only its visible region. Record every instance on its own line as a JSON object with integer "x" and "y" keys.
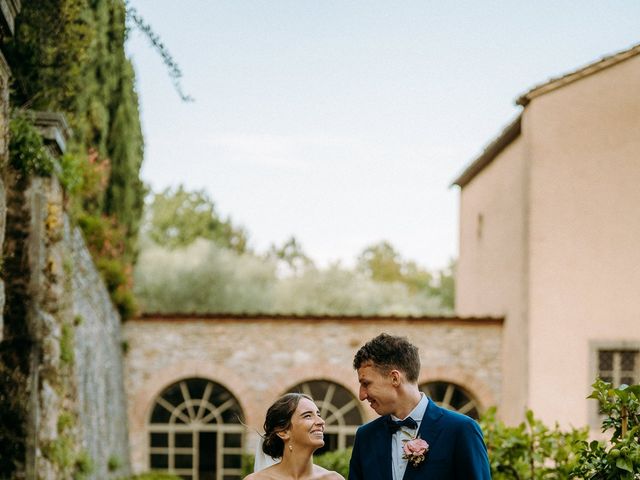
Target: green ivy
{"x": 27, "y": 152}
{"x": 67, "y": 352}
{"x": 83, "y": 466}
{"x": 114, "y": 463}
{"x": 530, "y": 450}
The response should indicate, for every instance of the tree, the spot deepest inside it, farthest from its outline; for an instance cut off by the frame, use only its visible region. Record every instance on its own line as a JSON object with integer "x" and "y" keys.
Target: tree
{"x": 381, "y": 262}
{"x": 177, "y": 217}
{"x": 445, "y": 287}
{"x": 291, "y": 255}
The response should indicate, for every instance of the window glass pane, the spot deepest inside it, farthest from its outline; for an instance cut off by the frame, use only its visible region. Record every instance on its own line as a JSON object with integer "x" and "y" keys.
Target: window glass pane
{"x": 206, "y": 416}
{"x": 451, "y": 396}
{"x": 232, "y": 415}
{"x": 173, "y": 395}
{"x": 183, "y": 440}
{"x": 197, "y": 387}
{"x": 159, "y": 440}
{"x": 219, "y": 395}
{"x": 341, "y": 397}
{"x": 232, "y": 461}
{"x": 181, "y": 416}
{"x": 183, "y": 461}
{"x": 353, "y": 417}
{"x": 160, "y": 414}
{"x": 233, "y": 440}
{"x": 605, "y": 360}
{"x": 159, "y": 461}
{"x": 627, "y": 361}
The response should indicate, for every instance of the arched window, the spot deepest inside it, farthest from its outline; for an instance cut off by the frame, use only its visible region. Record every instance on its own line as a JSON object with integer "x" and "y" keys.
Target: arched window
{"x": 195, "y": 431}
{"x": 340, "y": 410}
{"x": 452, "y": 397}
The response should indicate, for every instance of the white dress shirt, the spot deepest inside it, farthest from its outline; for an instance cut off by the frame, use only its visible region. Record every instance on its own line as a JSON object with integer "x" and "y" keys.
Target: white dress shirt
{"x": 399, "y": 464}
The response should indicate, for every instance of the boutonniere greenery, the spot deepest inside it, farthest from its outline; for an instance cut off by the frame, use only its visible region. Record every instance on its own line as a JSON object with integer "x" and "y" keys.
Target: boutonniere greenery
{"x": 414, "y": 449}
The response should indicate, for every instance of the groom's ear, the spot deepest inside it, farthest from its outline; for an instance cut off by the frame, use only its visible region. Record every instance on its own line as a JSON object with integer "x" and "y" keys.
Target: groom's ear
{"x": 396, "y": 377}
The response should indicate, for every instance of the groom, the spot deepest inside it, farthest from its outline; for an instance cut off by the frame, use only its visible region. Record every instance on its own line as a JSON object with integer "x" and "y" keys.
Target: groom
{"x": 413, "y": 438}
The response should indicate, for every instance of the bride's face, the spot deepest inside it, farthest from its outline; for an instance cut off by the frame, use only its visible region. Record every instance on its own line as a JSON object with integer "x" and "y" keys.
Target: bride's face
{"x": 307, "y": 427}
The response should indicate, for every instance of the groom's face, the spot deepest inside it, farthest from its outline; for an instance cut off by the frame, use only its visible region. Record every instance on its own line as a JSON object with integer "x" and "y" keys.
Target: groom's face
{"x": 377, "y": 388}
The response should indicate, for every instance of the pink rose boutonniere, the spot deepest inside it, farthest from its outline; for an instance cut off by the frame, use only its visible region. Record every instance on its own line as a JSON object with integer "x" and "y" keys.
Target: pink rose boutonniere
{"x": 415, "y": 450}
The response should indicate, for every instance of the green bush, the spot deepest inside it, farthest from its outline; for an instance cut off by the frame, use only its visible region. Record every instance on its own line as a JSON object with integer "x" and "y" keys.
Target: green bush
{"x": 152, "y": 476}
{"x": 27, "y": 152}
{"x": 247, "y": 464}
{"x": 619, "y": 458}
{"x": 337, "y": 460}
{"x": 530, "y": 450}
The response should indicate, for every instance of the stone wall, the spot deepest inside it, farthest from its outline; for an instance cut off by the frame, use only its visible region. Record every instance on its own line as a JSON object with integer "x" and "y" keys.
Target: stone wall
{"x": 98, "y": 360}
{"x": 258, "y": 358}
{"x": 63, "y": 397}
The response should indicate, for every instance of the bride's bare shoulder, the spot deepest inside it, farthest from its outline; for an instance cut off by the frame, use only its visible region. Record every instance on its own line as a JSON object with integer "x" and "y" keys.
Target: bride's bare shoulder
{"x": 324, "y": 474}
{"x": 268, "y": 473}
{"x": 258, "y": 476}
{"x": 331, "y": 476}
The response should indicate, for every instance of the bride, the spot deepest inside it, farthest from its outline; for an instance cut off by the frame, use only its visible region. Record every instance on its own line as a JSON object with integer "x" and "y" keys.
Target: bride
{"x": 293, "y": 431}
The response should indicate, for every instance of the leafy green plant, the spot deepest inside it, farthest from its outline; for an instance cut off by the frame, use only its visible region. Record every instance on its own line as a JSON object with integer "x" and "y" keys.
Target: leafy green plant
{"x": 338, "y": 461}
{"x": 619, "y": 458}
{"x": 248, "y": 460}
{"x": 83, "y": 466}
{"x": 67, "y": 353}
{"x": 114, "y": 463}
{"x": 106, "y": 241}
{"x": 27, "y": 152}
{"x": 151, "y": 476}
{"x": 531, "y": 450}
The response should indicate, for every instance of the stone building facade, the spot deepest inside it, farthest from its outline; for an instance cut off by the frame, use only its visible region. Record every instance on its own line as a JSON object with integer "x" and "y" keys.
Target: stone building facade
{"x": 255, "y": 359}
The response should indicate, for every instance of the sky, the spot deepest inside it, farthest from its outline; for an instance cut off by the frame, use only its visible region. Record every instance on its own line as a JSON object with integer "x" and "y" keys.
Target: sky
{"x": 343, "y": 123}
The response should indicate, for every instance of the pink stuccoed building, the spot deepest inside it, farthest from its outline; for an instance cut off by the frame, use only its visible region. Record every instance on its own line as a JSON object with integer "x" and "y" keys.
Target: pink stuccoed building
{"x": 550, "y": 240}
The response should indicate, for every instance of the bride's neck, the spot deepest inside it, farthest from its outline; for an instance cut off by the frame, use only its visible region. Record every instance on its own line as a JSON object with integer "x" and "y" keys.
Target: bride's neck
{"x": 298, "y": 463}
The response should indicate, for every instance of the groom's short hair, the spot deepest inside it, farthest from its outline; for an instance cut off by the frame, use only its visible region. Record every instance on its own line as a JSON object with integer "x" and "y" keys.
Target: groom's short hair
{"x": 387, "y": 353}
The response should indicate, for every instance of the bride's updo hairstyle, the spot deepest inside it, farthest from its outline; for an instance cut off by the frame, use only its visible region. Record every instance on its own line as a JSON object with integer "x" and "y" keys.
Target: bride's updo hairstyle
{"x": 279, "y": 419}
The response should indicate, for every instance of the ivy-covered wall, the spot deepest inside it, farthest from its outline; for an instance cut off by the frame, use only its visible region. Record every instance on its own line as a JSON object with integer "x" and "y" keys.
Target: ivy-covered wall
{"x": 68, "y": 56}
{"x": 62, "y": 404}
{"x": 62, "y": 407}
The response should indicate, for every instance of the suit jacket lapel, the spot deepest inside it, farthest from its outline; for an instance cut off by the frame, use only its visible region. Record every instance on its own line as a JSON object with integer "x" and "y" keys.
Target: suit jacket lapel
{"x": 428, "y": 431}
{"x": 384, "y": 452}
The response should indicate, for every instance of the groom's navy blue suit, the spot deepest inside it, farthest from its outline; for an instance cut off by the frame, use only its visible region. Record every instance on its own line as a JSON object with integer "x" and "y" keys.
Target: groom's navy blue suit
{"x": 456, "y": 449}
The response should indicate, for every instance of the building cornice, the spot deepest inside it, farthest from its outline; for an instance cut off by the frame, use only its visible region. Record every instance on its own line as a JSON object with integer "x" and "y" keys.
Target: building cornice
{"x": 258, "y": 317}
{"x": 508, "y": 135}
{"x": 590, "y": 69}
{"x": 54, "y": 130}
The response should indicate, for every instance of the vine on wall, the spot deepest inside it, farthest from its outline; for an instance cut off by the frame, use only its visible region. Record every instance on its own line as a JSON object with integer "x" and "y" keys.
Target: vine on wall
{"x": 68, "y": 56}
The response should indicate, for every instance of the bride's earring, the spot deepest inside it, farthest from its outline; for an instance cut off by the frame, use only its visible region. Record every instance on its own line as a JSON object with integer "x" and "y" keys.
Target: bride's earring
{"x": 290, "y": 448}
